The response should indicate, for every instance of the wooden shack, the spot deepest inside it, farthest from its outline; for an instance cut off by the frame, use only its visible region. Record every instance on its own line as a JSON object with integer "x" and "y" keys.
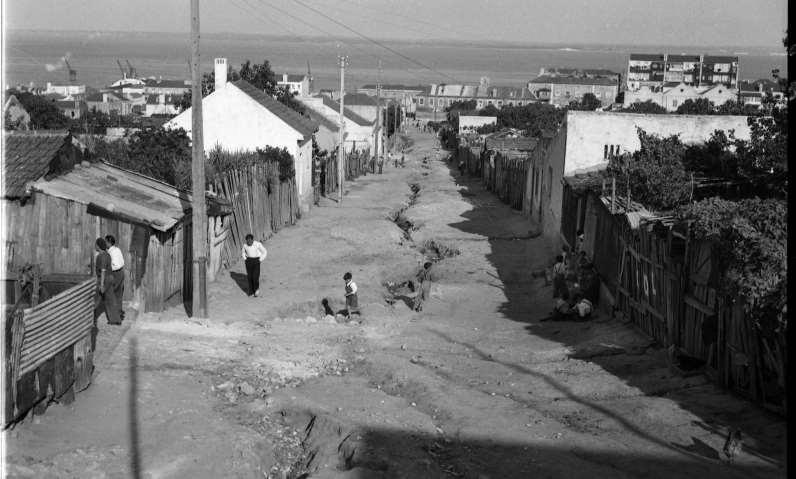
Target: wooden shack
{"x": 55, "y": 206}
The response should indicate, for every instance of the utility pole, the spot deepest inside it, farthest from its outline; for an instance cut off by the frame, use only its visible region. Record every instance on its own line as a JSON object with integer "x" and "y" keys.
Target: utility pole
{"x": 199, "y": 211}
{"x": 377, "y": 135}
{"x": 341, "y": 148}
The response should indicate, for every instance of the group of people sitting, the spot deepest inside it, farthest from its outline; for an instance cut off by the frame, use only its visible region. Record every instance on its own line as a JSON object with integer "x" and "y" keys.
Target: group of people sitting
{"x": 576, "y": 286}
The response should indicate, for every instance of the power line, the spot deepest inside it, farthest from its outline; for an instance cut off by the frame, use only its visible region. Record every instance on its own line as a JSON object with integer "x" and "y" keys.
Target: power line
{"x": 375, "y": 42}
{"x": 407, "y": 17}
{"x": 273, "y": 22}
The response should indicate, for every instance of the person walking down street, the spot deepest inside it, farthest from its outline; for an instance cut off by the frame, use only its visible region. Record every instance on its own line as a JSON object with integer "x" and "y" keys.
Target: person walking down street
{"x": 559, "y": 277}
{"x": 254, "y": 254}
{"x": 403, "y": 159}
{"x": 394, "y": 159}
{"x": 381, "y": 163}
{"x": 423, "y": 288}
{"x": 117, "y": 272}
{"x": 351, "y": 298}
{"x": 107, "y": 300}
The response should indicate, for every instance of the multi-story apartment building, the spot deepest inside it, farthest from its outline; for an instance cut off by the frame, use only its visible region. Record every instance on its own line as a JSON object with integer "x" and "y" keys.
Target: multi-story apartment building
{"x": 562, "y": 90}
{"x": 653, "y": 70}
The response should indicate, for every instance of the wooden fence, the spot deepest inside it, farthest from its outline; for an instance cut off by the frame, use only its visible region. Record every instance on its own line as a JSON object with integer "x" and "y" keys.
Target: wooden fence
{"x": 354, "y": 165}
{"x": 261, "y": 204}
{"x": 503, "y": 173}
{"x": 667, "y": 285}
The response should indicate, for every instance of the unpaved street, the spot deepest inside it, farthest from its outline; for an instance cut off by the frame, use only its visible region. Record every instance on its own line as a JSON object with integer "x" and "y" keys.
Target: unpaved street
{"x": 474, "y": 386}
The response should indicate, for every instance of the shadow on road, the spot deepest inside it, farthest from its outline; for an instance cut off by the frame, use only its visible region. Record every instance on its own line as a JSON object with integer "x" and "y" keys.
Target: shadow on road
{"x": 515, "y": 258}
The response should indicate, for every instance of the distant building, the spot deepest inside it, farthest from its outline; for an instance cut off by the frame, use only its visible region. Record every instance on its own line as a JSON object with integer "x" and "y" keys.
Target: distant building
{"x": 752, "y": 93}
{"x": 159, "y": 86}
{"x": 562, "y": 90}
{"x": 407, "y": 95}
{"x": 73, "y": 109}
{"x": 161, "y": 104}
{"x": 15, "y": 114}
{"x": 438, "y": 97}
{"x": 579, "y": 72}
{"x": 359, "y": 131}
{"x": 361, "y": 104}
{"x": 654, "y": 70}
{"x": 470, "y": 123}
{"x": 239, "y": 117}
{"x": 672, "y": 95}
{"x": 587, "y": 140}
{"x": 108, "y": 102}
{"x": 299, "y": 84}
{"x": 69, "y": 91}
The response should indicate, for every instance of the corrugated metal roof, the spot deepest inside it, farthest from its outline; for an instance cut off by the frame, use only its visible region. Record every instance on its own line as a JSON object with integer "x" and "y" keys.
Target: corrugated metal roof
{"x": 29, "y": 156}
{"x": 302, "y": 124}
{"x": 130, "y": 196}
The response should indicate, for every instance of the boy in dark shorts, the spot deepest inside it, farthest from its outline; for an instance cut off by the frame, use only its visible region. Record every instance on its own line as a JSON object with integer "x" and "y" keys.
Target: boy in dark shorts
{"x": 351, "y": 299}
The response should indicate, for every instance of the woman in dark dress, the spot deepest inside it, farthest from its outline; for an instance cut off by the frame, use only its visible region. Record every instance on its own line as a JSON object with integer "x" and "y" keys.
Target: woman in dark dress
{"x": 108, "y": 302}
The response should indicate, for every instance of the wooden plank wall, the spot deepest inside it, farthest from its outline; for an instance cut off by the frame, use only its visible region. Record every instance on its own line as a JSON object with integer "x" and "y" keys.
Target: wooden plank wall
{"x": 261, "y": 205}
{"x": 60, "y": 234}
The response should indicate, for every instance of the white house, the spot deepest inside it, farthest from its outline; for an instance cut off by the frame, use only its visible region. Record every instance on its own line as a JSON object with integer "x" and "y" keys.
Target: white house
{"x": 672, "y": 95}
{"x": 239, "y": 117}
{"x": 299, "y": 84}
{"x": 587, "y": 140}
{"x": 359, "y": 132}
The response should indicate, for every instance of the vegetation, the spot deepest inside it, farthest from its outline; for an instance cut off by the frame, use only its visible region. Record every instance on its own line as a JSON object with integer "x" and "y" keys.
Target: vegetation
{"x": 648, "y": 107}
{"x": 221, "y": 161}
{"x": 391, "y": 119}
{"x": 44, "y": 115}
{"x": 589, "y": 102}
{"x": 532, "y": 119}
{"x": 260, "y": 75}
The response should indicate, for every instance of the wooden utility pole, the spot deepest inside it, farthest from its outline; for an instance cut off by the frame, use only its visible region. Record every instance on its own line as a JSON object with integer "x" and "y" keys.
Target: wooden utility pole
{"x": 199, "y": 211}
{"x": 377, "y": 134}
{"x": 341, "y": 148}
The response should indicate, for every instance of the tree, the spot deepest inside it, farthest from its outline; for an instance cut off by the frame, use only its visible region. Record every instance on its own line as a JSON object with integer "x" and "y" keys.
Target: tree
{"x": 655, "y": 173}
{"x": 462, "y": 105}
{"x": 162, "y": 154}
{"x": 533, "y": 118}
{"x": 44, "y": 115}
{"x": 391, "y": 118}
{"x": 489, "y": 110}
{"x": 648, "y": 107}
{"x": 589, "y": 102}
{"x": 260, "y": 75}
{"x": 700, "y": 106}
{"x": 734, "y": 108}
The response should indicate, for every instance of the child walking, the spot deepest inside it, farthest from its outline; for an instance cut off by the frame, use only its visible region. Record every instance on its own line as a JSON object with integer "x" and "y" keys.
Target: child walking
{"x": 351, "y": 300}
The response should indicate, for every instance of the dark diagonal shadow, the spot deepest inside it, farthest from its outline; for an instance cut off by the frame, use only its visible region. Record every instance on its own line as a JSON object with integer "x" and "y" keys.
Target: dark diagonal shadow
{"x": 241, "y": 280}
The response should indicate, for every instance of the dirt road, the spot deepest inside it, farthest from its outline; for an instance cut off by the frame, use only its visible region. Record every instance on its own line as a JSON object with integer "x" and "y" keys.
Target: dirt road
{"x": 473, "y": 386}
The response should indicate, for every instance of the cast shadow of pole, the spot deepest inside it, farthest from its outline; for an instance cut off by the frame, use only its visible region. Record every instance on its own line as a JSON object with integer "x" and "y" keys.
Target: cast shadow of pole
{"x": 135, "y": 455}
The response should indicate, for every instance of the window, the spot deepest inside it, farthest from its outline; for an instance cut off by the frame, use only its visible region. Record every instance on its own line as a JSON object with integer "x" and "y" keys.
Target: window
{"x": 430, "y": 102}
{"x": 674, "y": 103}
{"x": 605, "y": 152}
{"x": 421, "y": 101}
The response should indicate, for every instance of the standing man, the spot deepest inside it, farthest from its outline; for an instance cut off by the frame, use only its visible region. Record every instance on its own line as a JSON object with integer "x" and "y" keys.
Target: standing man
{"x": 117, "y": 272}
{"x": 106, "y": 297}
{"x": 254, "y": 253}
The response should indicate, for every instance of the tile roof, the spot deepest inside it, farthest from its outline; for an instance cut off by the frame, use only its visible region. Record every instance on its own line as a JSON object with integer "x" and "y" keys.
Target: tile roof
{"x": 682, "y": 58}
{"x": 574, "y": 81}
{"x": 152, "y": 82}
{"x": 388, "y": 86}
{"x": 29, "y": 156}
{"x": 300, "y": 123}
{"x": 322, "y": 120}
{"x": 646, "y": 57}
{"x": 720, "y": 59}
{"x": 133, "y": 196}
{"x": 359, "y": 99}
{"x": 519, "y": 143}
{"x": 348, "y": 113}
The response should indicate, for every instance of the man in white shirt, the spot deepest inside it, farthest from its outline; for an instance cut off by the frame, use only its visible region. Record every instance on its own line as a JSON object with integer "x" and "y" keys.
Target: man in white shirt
{"x": 117, "y": 272}
{"x": 253, "y": 253}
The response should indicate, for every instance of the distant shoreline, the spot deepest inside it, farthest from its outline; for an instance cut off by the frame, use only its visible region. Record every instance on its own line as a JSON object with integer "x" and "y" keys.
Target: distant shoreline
{"x": 618, "y": 47}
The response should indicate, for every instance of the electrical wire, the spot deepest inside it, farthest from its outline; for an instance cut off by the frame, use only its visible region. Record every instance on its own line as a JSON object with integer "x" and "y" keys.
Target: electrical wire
{"x": 376, "y": 42}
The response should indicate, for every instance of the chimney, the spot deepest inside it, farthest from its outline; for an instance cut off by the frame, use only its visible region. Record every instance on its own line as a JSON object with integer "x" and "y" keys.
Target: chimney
{"x": 221, "y": 73}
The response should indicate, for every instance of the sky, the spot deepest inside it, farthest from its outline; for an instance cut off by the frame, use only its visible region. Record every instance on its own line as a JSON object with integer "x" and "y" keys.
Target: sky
{"x": 635, "y": 22}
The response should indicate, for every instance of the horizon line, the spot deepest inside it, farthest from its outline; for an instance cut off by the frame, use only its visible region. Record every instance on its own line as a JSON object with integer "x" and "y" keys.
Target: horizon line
{"x": 482, "y": 42}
